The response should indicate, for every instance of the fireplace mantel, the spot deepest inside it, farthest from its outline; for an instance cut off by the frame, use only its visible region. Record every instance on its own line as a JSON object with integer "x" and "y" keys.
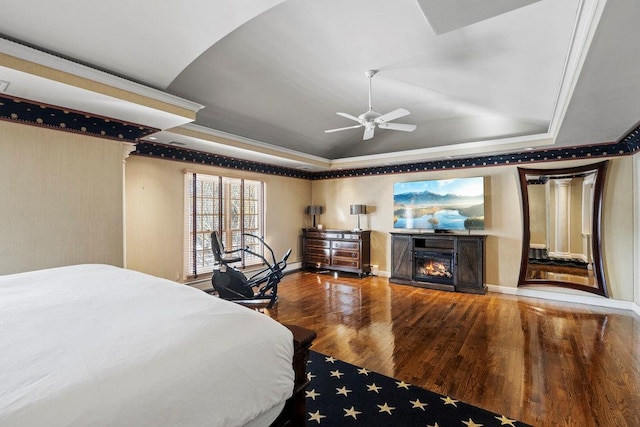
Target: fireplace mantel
{"x": 465, "y": 252}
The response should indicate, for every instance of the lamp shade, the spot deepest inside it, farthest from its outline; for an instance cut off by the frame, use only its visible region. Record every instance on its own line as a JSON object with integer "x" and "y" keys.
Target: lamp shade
{"x": 358, "y": 209}
{"x": 314, "y": 210}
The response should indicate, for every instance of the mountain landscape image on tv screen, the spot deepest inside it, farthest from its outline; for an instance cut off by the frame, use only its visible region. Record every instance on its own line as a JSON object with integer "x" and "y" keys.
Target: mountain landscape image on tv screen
{"x": 444, "y": 204}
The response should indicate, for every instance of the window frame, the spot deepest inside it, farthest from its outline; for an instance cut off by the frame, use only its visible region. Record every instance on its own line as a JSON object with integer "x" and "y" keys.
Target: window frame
{"x": 230, "y": 205}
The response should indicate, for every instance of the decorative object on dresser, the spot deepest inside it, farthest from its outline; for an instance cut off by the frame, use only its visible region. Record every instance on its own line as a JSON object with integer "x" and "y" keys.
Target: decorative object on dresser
{"x": 339, "y": 250}
{"x": 358, "y": 210}
{"x": 314, "y": 210}
{"x": 450, "y": 262}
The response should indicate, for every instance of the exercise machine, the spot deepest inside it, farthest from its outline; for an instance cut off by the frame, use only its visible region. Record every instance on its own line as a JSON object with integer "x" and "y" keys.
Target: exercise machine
{"x": 231, "y": 284}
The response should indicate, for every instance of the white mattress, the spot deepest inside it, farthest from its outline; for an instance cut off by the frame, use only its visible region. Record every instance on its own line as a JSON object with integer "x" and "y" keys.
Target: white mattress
{"x": 95, "y": 345}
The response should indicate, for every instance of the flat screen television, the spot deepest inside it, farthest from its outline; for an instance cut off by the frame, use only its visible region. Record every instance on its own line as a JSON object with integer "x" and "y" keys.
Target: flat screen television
{"x": 442, "y": 204}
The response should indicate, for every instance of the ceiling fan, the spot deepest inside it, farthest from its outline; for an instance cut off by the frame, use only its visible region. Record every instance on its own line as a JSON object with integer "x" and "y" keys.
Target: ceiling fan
{"x": 371, "y": 119}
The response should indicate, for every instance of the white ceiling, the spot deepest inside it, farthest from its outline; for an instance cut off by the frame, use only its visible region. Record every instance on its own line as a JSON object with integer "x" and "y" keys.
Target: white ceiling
{"x": 271, "y": 74}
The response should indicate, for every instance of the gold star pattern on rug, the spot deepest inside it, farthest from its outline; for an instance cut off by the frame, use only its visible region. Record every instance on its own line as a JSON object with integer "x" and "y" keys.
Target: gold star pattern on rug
{"x": 417, "y": 404}
{"x": 315, "y": 416}
{"x": 449, "y": 401}
{"x": 386, "y": 408}
{"x": 312, "y": 394}
{"x": 343, "y": 394}
{"x": 504, "y": 421}
{"x": 336, "y": 374}
{"x": 343, "y": 390}
{"x": 351, "y": 412}
{"x": 402, "y": 384}
{"x": 373, "y": 387}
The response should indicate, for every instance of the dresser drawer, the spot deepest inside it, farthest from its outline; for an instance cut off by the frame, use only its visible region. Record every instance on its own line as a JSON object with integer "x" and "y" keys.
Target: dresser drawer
{"x": 318, "y": 243}
{"x": 345, "y": 262}
{"x": 331, "y": 235}
{"x": 317, "y": 260}
{"x": 344, "y": 253}
{"x": 351, "y": 236}
{"x": 314, "y": 251}
{"x": 340, "y": 244}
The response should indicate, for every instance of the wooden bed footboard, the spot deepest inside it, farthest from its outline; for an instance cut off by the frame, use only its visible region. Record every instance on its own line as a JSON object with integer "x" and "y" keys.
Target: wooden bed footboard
{"x": 294, "y": 413}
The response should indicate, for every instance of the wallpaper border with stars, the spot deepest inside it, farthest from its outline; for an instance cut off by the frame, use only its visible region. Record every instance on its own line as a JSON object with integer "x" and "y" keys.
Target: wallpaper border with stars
{"x": 14, "y": 109}
{"x": 626, "y": 146}
{"x": 35, "y": 113}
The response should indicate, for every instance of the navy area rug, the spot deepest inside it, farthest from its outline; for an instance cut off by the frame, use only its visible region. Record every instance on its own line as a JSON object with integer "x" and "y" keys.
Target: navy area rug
{"x": 341, "y": 394}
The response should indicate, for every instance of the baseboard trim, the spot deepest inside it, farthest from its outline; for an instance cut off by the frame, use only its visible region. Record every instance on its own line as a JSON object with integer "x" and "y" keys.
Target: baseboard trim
{"x": 383, "y": 273}
{"x": 556, "y": 296}
{"x": 563, "y": 297}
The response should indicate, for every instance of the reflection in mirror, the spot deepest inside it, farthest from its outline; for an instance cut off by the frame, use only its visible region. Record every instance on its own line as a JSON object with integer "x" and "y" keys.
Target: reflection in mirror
{"x": 561, "y": 227}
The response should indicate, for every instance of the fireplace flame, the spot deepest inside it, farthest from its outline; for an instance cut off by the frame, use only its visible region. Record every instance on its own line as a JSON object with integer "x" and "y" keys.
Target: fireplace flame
{"x": 436, "y": 269}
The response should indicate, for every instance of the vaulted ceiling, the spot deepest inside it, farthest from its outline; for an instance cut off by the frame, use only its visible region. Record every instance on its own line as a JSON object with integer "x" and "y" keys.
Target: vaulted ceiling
{"x": 270, "y": 75}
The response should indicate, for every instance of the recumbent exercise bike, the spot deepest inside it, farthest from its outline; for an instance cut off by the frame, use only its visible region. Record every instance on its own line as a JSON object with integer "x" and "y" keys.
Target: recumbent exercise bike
{"x": 231, "y": 284}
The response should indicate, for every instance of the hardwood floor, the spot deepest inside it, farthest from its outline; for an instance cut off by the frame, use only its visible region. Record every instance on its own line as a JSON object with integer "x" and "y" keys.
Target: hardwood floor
{"x": 541, "y": 362}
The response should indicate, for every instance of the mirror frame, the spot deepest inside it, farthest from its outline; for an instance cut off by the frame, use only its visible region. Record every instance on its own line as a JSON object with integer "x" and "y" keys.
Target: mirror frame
{"x": 598, "y": 187}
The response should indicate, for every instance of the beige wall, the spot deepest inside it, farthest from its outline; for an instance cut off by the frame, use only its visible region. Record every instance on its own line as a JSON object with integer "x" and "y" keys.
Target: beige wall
{"x": 62, "y": 204}
{"x": 155, "y": 208}
{"x": 61, "y": 199}
{"x": 502, "y": 215}
{"x": 618, "y": 228}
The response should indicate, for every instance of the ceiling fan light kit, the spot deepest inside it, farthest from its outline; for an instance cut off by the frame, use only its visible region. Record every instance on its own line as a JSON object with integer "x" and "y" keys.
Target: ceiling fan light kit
{"x": 370, "y": 119}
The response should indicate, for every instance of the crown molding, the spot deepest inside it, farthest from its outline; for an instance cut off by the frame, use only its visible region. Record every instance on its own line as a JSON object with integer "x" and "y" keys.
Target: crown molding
{"x": 45, "y": 59}
{"x": 589, "y": 14}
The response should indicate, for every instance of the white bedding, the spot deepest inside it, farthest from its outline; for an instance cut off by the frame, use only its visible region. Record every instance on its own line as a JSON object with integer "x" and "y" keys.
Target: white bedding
{"x": 95, "y": 345}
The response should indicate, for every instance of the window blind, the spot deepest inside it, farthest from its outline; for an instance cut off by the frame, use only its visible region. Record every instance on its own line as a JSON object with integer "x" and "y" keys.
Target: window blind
{"x": 233, "y": 207}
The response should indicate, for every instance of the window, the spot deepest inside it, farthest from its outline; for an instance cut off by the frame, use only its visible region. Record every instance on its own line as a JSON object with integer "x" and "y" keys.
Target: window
{"x": 233, "y": 207}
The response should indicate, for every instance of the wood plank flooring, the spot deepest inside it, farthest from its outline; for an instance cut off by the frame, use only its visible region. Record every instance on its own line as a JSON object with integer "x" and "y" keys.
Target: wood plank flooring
{"x": 542, "y": 362}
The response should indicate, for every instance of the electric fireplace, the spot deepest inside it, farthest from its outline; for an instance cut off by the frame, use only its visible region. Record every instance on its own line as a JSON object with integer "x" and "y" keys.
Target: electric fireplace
{"x": 440, "y": 261}
{"x": 433, "y": 266}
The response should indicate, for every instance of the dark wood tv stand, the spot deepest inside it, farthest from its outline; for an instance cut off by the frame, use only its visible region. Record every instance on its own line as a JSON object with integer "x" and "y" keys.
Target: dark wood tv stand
{"x": 450, "y": 262}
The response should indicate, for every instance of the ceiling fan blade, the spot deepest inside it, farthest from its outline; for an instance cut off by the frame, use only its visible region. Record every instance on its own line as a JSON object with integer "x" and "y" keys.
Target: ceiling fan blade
{"x": 397, "y": 126}
{"x": 395, "y": 114}
{"x": 368, "y": 132}
{"x": 350, "y": 117}
{"x": 339, "y": 129}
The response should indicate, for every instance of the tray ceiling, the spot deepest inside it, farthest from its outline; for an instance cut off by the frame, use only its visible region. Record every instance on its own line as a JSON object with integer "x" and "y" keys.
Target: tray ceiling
{"x": 271, "y": 75}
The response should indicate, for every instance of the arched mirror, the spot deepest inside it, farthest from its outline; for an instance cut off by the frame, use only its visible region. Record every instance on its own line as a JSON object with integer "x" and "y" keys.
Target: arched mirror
{"x": 561, "y": 227}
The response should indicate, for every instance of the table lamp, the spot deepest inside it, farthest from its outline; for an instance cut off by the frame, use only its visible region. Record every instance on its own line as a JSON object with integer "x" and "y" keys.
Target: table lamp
{"x": 358, "y": 210}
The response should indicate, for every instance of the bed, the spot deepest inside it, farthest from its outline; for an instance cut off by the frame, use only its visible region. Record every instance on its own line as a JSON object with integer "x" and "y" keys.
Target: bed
{"x": 104, "y": 346}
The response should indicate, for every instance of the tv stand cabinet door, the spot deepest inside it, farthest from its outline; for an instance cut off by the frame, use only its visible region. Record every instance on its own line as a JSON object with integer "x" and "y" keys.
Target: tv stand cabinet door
{"x": 469, "y": 269}
{"x": 401, "y": 257}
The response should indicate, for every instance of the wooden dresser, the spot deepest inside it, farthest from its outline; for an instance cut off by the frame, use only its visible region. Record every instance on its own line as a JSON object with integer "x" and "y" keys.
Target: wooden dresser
{"x": 340, "y": 250}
